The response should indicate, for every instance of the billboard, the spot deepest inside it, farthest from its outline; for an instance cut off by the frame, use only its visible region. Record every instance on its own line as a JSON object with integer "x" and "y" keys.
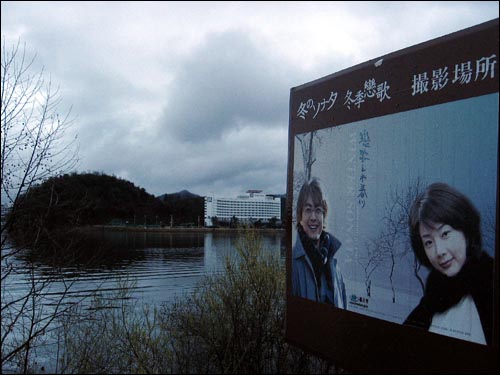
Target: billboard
{"x": 392, "y": 245}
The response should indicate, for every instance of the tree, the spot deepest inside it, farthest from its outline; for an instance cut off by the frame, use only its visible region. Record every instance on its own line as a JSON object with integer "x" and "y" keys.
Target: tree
{"x": 234, "y": 222}
{"x": 308, "y": 153}
{"x": 309, "y": 145}
{"x": 273, "y": 222}
{"x": 396, "y": 220}
{"x": 370, "y": 262}
{"x": 33, "y": 148}
{"x": 215, "y": 221}
{"x": 393, "y": 241}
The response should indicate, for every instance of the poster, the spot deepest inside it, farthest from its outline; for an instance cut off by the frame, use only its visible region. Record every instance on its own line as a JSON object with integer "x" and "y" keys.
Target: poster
{"x": 376, "y": 136}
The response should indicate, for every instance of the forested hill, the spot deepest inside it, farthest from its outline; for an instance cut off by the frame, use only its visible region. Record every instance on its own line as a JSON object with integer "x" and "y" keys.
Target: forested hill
{"x": 185, "y": 208}
{"x": 96, "y": 198}
{"x": 184, "y": 194}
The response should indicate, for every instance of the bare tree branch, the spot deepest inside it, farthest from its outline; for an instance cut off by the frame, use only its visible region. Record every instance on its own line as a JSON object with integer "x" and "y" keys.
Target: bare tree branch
{"x": 34, "y": 147}
{"x": 393, "y": 241}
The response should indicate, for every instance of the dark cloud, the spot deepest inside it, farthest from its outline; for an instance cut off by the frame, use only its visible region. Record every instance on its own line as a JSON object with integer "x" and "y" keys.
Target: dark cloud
{"x": 226, "y": 82}
{"x": 174, "y": 95}
{"x": 243, "y": 159}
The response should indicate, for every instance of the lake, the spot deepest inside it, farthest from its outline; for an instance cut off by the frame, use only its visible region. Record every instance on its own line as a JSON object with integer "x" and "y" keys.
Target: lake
{"x": 163, "y": 265}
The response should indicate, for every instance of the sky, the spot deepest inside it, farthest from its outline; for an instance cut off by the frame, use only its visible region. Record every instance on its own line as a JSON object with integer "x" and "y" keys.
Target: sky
{"x": 195, "y": 95}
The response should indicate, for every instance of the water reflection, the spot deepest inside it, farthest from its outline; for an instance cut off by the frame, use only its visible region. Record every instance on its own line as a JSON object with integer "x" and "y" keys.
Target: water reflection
{"x": 163, "y": 265}
{"x": 151, "y": 239}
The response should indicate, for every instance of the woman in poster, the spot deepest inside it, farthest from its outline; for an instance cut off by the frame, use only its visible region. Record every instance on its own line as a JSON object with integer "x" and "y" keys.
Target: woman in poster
{"x": 315, "y": 274}
{"x": 446, "y": 238}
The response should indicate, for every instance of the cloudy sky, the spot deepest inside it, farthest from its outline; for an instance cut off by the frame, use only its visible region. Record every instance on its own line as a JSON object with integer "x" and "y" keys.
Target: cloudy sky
{"x": 195, "y": 95}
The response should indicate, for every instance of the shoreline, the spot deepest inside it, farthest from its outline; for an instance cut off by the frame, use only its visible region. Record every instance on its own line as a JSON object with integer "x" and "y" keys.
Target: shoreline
{"x": 139, "y": 228}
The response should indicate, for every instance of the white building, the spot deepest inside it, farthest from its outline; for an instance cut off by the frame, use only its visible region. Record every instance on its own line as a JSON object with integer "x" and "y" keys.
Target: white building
{"x": 248, "y": 208}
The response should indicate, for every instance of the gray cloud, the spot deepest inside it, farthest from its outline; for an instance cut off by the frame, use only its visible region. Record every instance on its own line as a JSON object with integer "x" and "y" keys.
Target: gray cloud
{"x": 225, "y": 83}
{"x": 174, "y": 95}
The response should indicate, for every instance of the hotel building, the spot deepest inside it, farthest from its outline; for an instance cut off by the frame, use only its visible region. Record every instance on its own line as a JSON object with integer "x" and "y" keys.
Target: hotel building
{"x": 247, "y": 208}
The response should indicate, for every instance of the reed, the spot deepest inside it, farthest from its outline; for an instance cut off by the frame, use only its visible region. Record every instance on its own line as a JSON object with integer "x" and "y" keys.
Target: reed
{"x": 232, "y": 323}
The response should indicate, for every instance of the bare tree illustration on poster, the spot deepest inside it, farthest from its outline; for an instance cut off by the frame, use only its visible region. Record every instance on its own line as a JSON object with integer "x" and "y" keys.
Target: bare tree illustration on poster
{"x": 392, "y": 243}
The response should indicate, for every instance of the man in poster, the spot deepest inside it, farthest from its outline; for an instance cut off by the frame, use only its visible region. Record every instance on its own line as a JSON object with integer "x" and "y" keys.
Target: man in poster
{"x": 315, "y": 272}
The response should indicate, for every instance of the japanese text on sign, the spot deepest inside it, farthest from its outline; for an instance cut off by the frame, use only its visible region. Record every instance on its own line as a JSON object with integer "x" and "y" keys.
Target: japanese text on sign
{"x": 315, "y": 107}
{"x": 364, "y": 141}
{"x": 311, "y": 107}
{"x": 463, "y": 73}
{"x": 371, "y": 90}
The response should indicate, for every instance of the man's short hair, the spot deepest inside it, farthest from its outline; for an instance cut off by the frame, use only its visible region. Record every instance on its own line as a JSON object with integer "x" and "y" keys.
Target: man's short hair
{"x": 313, "y": 189}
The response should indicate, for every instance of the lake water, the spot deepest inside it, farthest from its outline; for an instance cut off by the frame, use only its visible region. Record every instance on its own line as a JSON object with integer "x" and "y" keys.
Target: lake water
{"x": 162, "y": 265}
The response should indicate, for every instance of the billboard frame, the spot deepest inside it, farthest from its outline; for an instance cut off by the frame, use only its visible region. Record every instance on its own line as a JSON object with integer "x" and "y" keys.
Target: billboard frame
{"x": 353, "y": 341}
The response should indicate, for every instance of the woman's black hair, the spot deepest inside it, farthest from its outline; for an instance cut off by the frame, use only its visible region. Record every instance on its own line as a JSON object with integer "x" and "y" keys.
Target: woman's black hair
{"x": 440, "y": 203}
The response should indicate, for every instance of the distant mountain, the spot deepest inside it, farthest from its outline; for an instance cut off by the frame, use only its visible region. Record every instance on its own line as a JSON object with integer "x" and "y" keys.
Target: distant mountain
{"x": 184, "y": 207}
{"x": 180, "y": 194}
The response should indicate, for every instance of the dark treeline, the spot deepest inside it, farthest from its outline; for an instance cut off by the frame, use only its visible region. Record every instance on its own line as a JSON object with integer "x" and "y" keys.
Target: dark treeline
{"x": 183, "y": 209}
{"x": 72, "y": 200}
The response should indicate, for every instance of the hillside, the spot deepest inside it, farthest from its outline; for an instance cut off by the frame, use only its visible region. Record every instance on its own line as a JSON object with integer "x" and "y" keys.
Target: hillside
{"x": 84, "y": 199}
{"x": 81, "y": 199}
{"x": 45, "y": 218}
{"x": 185, "y": 208}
